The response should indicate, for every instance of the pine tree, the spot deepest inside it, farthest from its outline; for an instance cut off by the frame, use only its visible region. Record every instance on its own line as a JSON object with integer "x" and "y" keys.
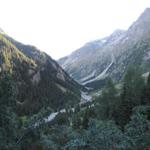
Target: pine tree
{"x": 8, "y": 121}
{"x": 133, "y": 86}
{"x": 108, "y": 101}
{"x": 146, "y": 92}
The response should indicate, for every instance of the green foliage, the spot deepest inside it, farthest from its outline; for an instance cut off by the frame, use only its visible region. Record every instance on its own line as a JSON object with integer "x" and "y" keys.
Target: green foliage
{"x": 108, "y": 102}
{"x": 99, "y": 136}
{"x": 138, "y": 129}
{"x": 8, "y": 119}
{"x": 25, "y": 63}
{"x": 61, "y": 119}
{"x": 133, "y": 85}
{"x": 146, "y": 92}
{"x": 116, "y": 120}
{"x": 47, "y": 143}
{"x": 76, "y": 121}
{"x": 94, "y": 127}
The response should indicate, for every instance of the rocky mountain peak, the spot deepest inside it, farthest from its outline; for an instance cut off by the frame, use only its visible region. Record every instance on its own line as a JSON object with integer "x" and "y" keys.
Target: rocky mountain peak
{"x": 115, "y": 35}
{"x": 146, "y": 12}
{"x": 143, "y": 22}
{"x": 111, "y": 58}
{"x": 117, "y": 32}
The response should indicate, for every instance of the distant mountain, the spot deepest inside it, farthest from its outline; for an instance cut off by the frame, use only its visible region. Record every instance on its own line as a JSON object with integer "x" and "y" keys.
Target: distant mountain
{"x": 40, "y": 81}
{"x": 111, "y": 56}
{"x": 90, "y": 61}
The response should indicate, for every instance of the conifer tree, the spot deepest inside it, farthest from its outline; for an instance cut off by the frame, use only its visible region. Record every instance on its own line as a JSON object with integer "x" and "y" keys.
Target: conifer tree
{"x": 8, "y": 120}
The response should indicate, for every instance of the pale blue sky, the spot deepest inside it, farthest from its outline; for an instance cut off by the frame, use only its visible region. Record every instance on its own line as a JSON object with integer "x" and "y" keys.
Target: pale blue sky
{"x": 60, "y": 26}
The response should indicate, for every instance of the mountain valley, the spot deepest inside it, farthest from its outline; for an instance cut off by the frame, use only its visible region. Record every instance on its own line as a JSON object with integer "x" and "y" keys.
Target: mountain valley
{"x": 97, "y": 98}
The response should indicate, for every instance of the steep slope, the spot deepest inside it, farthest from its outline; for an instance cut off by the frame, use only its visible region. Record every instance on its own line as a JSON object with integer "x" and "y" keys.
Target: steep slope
{"x": 90, "y": 60}
{"x": 113, "y": 55}
{"x": 133, "y": 48}
{"x": 40, "y": 81}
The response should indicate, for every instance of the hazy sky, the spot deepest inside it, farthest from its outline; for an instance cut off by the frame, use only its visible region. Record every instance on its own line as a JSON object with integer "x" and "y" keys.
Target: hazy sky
{"x": 60, "y": 26}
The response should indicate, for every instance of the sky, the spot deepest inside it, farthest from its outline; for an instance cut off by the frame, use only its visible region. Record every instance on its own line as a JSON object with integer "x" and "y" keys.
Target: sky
{"x": 59, "y": 27}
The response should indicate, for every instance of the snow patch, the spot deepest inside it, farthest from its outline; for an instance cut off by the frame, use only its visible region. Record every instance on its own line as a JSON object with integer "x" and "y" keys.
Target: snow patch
{"x": 103, "y": 74}
{"x": 89, "y": 76}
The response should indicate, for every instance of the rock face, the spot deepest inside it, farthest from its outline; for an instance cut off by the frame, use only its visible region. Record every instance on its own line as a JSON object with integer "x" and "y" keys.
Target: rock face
{"x": 111, "y": 56}
{"x": 91, "y": 60}
{"x": 37, "y": 77}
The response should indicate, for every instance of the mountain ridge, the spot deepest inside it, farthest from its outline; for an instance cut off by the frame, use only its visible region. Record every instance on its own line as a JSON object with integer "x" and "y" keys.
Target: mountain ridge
{"x": 127, "y": 47}
{"x": 40, "y": 81}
